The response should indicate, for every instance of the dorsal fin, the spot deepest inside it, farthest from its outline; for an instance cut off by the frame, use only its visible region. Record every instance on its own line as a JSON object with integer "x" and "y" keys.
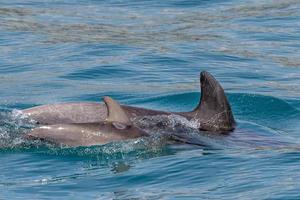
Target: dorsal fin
{"x": 214, "y": 111}
{"x": 115, "y": 112}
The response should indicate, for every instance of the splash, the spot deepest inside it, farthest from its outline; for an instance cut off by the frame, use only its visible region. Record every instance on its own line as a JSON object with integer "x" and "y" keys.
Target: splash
{"x": 13, "y": 125}
{"x": 171, "y": 122}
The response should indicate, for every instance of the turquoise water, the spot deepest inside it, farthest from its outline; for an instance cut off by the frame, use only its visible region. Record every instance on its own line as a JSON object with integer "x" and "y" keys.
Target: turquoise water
{"x": 150, "y": 54}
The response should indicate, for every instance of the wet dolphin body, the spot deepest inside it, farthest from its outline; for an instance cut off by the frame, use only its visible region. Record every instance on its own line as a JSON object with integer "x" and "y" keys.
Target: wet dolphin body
{"x": 213, "y": 112}
{"x": 116, "y": 127}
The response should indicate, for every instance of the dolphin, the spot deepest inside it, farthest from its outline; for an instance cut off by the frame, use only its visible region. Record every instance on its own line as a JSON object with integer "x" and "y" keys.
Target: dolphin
{"x": 117, "y": 126}
{"x": 213, "y": 112}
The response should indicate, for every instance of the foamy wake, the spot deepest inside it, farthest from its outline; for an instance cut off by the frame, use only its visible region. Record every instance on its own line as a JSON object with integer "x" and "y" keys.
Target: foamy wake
{"x": 13, "y": 125}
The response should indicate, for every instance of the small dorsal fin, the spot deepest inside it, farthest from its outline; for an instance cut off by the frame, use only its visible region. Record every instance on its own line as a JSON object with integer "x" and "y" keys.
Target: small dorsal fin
{"x": 115, "y": 112}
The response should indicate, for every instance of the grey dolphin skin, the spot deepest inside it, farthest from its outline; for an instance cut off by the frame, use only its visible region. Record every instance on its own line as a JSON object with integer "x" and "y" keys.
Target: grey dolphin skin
{"x": 213, "y": 112}
{"x": 117, "y": 126}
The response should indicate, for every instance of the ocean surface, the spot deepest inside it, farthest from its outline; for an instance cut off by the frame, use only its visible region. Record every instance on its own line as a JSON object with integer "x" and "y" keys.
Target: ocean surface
{"x": 150, "y": 54}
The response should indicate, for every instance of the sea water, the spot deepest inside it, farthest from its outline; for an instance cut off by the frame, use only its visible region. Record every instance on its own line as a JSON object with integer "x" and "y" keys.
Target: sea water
{"x": 150, "y": 54}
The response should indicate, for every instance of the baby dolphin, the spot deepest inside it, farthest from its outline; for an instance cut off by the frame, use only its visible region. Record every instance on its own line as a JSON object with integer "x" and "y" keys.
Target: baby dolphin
{"x": 115, "y": 127}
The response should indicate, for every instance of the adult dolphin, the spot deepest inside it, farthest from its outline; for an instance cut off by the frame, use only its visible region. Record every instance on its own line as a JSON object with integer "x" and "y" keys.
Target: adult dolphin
{"x": 117, "y": 126}
{"x": 213, "y": 112}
